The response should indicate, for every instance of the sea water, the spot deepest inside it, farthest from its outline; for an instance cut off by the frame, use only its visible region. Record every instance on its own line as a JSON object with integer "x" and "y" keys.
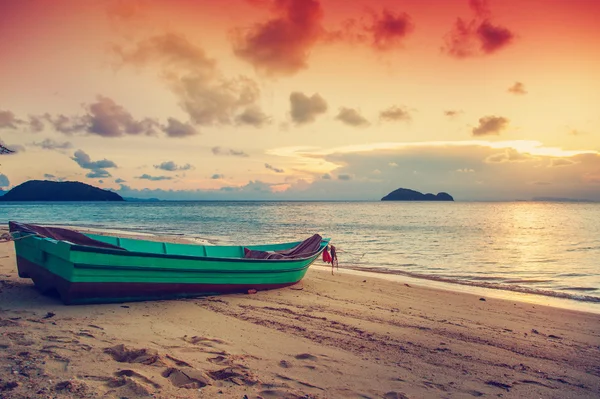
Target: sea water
{"x": 540, "y": 248}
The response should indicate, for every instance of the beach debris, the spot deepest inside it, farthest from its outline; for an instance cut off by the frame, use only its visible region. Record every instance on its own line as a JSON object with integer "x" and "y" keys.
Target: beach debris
{"x": 125, "y": 306}
{"x": 251, "y": 291}
{"x": 49, "y": 315}
{"x": 482, "y": 299}
{"x": 407, "y": 285}
{"x": 533, "y": 330}
{"x": 554, "y": 336}
{"x": 364, "y": 281}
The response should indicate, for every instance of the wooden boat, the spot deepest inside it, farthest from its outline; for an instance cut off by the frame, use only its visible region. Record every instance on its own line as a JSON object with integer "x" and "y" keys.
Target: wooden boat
{"x": 90, "y": 268}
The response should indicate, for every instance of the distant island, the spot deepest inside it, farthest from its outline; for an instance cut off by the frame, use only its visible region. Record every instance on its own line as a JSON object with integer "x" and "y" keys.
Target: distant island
{"x": 44, "y": 190}
{"x": 405, "y": 194}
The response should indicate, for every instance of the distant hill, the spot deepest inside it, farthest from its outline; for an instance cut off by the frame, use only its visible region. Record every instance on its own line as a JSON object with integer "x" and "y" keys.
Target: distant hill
{"x": 405, "y": 194}
{"x": 2, "y": 193}
{"x": 44, "y": 190}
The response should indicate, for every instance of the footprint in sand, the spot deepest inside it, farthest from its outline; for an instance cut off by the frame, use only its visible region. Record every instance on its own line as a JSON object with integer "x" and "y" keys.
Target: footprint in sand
{"x": 123, "y": 354}
{"x": 187, "y": 378}
{"x": 203, "y": 341}
{"x": 285, "y": 364}
{"x": 127, "y": 387}
{"x": 306, "y": 356}
{"x": 395, "y": 395}
{"x": 137, "y": 376}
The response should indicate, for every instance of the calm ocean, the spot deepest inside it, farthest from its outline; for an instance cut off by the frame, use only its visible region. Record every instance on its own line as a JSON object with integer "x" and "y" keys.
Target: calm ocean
{"x": 547, "y": 249}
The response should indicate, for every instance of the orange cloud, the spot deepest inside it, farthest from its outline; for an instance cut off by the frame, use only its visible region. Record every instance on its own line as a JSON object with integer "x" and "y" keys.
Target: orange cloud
{"x": 490, "y": 125}
{"x": 477, "y": 36}
{"x": 517, "y": 88}
{"x": 281, "y": 45}
{"x": 388, "y": 29}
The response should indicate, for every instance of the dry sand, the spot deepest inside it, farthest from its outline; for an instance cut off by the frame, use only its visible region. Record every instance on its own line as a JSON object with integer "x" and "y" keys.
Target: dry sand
{"x": 340, "y": 336}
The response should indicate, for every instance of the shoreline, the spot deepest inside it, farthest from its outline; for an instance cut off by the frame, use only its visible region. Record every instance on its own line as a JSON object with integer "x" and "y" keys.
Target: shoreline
{"x": 347, "y": 335}
{"x": 500, "y": 292}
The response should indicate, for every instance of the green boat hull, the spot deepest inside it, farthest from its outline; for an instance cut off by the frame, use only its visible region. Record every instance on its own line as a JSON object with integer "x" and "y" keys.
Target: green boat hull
{"x": 151, "y": 270}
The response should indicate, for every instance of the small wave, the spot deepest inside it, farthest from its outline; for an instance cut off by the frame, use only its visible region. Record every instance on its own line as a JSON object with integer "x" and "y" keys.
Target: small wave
{"x": 579, "y": 289}
{"x": 487, "y": 278}
{"x": 484, "y": 284}
{"x": 573, "y": 275}
{"x": 526, "y": 281}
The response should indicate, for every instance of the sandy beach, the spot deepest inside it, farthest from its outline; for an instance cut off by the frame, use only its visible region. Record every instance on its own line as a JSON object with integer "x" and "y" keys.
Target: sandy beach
{"x": 330, "y": 336}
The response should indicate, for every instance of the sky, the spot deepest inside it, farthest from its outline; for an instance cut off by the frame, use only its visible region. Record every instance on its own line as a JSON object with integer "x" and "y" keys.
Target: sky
{"x": 303, "y": 99}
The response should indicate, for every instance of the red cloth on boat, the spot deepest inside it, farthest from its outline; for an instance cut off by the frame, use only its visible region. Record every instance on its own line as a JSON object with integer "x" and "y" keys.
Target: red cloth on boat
{"x": 60, "y": 234}
{"x": 326, "y": 256}
{"x": 305, "y": 249}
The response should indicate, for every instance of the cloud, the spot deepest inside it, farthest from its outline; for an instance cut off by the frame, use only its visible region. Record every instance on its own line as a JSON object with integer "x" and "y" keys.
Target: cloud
{"x": 36, "y": 123}
{"x": 436, "y": 162}
{"x": 146, "y": 176}
{"x": 68, "y": 125}
{"x": 52, "y": 177}
{"x": 8, "y": 120}
{"x": 490, "y": 125}
{"x": 228, "y": 151}
{"x": 217, "y": 176}
{"x": 253, "y": 190}
{"x": 465, "y": 170}
{"x": 273, "y": 168}
{"x": 4, "y": 182}
{"x": 509, "y": 155}
{"x": 280, "y": 46}
{"x": 395, "y": 113}
{"x": 50, "y": 144}
{"x": 253, "y": 116}
{"x": 477, "y": 36}
{"x": 305, "y": 109}
{"x": 561, "y": 162}
{"x": 388, "y": 29}
{"x": 203, "y": 93}
{"x": 352, "y": 117}
{"x": 344, "y": 177}
{"x": 104, "y": 117}
{"x": 98, "y": 168}
{"x": 451, "y": 113}
{"x": 108, "y": 119}
{"x": 119, "y": 180}
{"x": 176, "y": 128}
{"x": 172, "y": 166}
{"x": 98, "y": 174}
{"x": 517, "y": 88}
